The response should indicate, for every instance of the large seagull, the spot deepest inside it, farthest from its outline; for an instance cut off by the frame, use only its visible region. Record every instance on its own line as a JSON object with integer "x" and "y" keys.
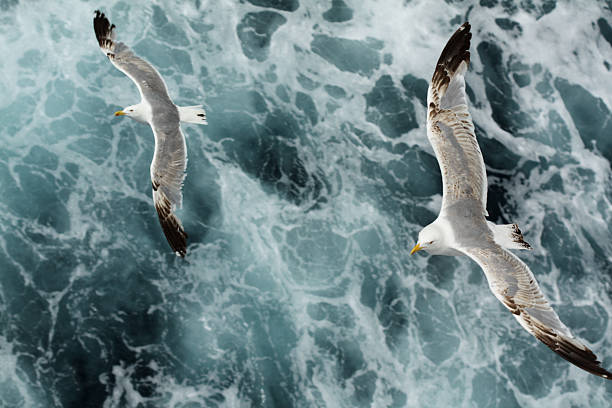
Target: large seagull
{"x": 461, "y": 227}
{"x": 157, "y": 109}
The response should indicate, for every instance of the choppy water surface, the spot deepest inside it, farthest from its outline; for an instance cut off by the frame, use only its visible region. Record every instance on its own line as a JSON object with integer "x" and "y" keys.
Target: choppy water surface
{"x": 303, "y": 197}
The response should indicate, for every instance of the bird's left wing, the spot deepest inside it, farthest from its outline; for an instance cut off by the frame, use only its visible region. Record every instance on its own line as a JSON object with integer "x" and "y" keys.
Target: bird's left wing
{"x": 450, "y": 129}
{"x": 150, "y": 84}
{"x": 514, "y": 285}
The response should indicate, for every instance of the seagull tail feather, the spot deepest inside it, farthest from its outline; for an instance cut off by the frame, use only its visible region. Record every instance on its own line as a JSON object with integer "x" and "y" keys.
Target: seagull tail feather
{"x": 508, "y": 236}
{"x": 192, "y": 114}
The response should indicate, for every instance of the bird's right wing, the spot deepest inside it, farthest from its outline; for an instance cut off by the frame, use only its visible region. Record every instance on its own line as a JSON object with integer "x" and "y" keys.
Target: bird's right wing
{"x": 167, "y": 174}
{"x": 514, "y": 285}
{"x": 450, "y": 129}
{"x": 150, "y": 84}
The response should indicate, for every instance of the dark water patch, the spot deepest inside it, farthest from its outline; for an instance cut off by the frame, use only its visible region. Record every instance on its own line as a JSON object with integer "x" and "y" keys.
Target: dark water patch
{"x": 370, "y": 242}
{"x": 441, "y": 271}
{"x": 269, "y": 150}
{"x": 510, "y": 7}
{"x": 563, "y": 246}
{"x": 12, "y": 289}
{"x": 305, "y": 103}
{"x": 435, "y": 321}
{"x": 255, "y": 33}
{"x": 53, "y": 273}
{"x": 495, "y": 153}
{"x": 201, "y": 195}
{"x": 359, "y": 57}
{"x": 398, "y": 398}
{"x": 365, "y": 387}
{"x": 30, "y": 60}
{"x": 307, "y": 83}
{"x": 285, "y": 5}
{"x": 558, "y": 133}
{"x": 335, "y": 91}
{"x": 555, "y": 183}
{"x": 403, "y": 180}
{"x": 36, "y": 197}
{"x": 29, "y": 323}
{"x": 282, "y": 93}
{"x": 6, "y": 5}
{"x": 18, "y": 113}
{"x": 164, "y": 57}
{"x": 100, "y": 317}
{"x": 509, "y": 25}
{"x": 415, "y": 88}
{"x": 244, "y": 100}
{"x": 338, "y": 13}
{"x": 369, "y": 286}
{"x": 389, "y": 109}
{"x": 95, "y": 148}
{"x": 521, "y": 79}
{"x": 394, "y": 314}
{"x": 498, "y": 160}
{"x": 544, "y": 86}
{"x": 340, "y": 316}
{"x": 521, "y": 72}
{"x": 272, "y": 339}
{"x": 555, "y": 135}
{"x": 605, "y": 29}
{"x": 168, "y": 32}
{"x": 345, "y": 352}
{"x": 506, "y": 111}
{"x": 417, "y": 172}
{"x": 587, "y": 322}
{"x": 600, "y": 257}
{"x": 590, "y": 114}
{"x": 39, "y": 156}
{"x": 488, "y": 390}
{"x": 517, "y": 362}
{"x": 538, "y": 8}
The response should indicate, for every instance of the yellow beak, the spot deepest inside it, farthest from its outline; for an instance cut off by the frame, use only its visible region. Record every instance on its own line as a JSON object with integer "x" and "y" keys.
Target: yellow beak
{"x": 119, "y": 113}
{"x": 416, "y": 248}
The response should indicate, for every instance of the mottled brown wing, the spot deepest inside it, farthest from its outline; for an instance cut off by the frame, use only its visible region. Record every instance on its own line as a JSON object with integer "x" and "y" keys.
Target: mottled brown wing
{"x": 450, "y": 129}
{"x": 514, "y": 285}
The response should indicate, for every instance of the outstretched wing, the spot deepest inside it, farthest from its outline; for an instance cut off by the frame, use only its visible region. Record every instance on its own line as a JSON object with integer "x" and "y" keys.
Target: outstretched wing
{"x": 450, "y": 129}
{"x": 167, "y": 174}
{"x": 514, "y": 285}
{"x": 150, "y": 84}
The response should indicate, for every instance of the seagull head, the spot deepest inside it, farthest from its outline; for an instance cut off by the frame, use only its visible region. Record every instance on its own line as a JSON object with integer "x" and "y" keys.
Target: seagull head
{"x": 133, "y": 111}
{"x": 431, "y": 239}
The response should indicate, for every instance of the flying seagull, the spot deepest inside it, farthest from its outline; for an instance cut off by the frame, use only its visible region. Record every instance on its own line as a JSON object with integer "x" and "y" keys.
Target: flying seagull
{"x": 461, "y": 227}
{"x": 157, "y": 109}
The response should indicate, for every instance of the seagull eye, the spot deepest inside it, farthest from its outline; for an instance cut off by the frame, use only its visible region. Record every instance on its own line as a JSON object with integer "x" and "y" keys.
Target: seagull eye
{"x": 430, "y": 242}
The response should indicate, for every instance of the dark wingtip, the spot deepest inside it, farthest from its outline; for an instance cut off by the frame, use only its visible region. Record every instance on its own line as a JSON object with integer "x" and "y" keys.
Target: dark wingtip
{"x": 456, "y": 51}
{"x": 103, "y": 29}
{"x": 570, "y": 350}
{"x": 173, "y": 230}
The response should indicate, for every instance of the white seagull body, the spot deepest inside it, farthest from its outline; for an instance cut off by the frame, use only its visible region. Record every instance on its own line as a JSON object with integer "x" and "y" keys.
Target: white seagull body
{"x": 461, "y": 227}
{"x": 157, "y": 109}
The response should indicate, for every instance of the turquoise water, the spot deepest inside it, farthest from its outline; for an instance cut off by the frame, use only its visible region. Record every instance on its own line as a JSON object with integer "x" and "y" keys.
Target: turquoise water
{"x": 303, "y": 197}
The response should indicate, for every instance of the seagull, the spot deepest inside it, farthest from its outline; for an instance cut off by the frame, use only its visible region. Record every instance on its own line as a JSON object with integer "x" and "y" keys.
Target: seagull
{"x": 157, "y": 109}
{"x": 461, "y": 227}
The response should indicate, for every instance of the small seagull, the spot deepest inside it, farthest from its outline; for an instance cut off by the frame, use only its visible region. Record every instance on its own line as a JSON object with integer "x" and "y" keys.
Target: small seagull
{"x": 157, "y": 109}
{"x": 461, "y": 227}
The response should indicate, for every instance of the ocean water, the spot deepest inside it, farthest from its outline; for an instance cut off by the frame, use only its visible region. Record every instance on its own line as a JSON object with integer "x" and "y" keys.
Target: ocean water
{"x": 302, "y": 200}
